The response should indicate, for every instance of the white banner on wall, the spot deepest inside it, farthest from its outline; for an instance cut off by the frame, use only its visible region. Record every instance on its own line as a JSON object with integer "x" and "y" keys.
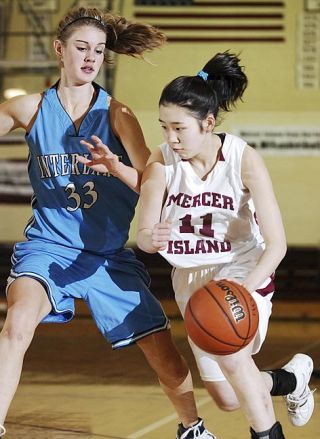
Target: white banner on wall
{"x": 15, "y": 187}
{"x": 282, "y": 140}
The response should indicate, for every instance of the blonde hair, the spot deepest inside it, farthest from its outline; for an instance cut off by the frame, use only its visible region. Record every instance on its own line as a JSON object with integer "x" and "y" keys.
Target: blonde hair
{"x": 122, "y": 35}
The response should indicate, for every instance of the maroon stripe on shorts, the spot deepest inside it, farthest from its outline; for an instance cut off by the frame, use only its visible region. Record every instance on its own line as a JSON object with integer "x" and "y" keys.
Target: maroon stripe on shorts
{"x": 269, "y": 288}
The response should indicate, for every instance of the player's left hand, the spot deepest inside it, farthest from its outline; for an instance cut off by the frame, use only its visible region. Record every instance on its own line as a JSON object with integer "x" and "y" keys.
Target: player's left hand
{"x": 102, "y": 159}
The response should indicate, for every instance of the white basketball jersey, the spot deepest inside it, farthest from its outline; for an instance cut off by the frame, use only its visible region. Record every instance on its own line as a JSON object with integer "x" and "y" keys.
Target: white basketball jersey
{"x": 213, "y": 220}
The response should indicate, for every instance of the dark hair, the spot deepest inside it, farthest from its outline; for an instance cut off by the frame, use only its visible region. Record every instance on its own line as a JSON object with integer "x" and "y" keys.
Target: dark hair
{"x": 122, "y": 36}
{"x": 224, "y": 85}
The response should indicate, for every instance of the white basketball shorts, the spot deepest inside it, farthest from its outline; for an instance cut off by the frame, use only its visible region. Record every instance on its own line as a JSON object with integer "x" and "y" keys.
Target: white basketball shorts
{"x": 185, "y": 281}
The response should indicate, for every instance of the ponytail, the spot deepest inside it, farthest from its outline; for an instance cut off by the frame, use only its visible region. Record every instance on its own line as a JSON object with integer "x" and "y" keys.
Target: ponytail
{"x": 131, "y": 38}
{"x": 122, "y": 36}
{"x": 218, "y": 86}
{"x": 227, "y": 79}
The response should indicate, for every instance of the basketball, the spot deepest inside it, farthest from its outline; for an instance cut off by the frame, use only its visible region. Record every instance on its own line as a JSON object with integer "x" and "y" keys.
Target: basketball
{"x": 221, "y": 317}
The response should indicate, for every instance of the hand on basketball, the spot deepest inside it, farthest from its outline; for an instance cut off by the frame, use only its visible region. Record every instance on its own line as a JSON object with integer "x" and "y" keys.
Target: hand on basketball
{"x": 161, "y": 234}
{"x": 102, "y": 159}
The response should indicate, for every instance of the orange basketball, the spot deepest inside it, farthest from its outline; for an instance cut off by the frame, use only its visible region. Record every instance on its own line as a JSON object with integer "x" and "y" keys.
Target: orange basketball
{"x": 221, "y": 317}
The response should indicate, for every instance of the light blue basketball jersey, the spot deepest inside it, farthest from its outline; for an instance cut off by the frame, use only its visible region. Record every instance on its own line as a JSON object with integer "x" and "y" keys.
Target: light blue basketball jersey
{"x": 76, "y": 237}
{"x": 72, "y": 205}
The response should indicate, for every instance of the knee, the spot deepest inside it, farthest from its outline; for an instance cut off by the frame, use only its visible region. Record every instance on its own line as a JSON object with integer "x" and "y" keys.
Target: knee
{"x": 224, "y": 398}
{"x": 227, "y": 406}
{"x": 164, "y": 359}
{"x": 173, "y": 366}
{"x": 15, "y": 335}
{"x": 18, "y": 331}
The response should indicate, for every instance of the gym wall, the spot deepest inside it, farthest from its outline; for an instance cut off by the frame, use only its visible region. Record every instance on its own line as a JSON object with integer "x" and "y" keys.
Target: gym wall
{"x": 279, "y": 101}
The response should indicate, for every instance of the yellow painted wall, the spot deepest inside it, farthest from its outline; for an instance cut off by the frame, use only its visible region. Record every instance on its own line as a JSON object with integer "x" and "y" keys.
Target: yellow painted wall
{"x": 272, "y": 100}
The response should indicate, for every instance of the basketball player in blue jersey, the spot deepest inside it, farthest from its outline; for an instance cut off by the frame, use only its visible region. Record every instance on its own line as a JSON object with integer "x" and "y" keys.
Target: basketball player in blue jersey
{"x": 200, "y": 196}
{"x": 75, "y": 240}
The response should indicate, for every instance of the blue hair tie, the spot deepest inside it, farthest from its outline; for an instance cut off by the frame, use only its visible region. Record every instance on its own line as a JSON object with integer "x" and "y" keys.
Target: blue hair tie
{"x": 203, "y": 75}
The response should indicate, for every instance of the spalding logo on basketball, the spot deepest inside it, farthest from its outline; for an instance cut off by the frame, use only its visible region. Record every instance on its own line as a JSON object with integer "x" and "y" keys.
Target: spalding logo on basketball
{"x": 221, "y": 317}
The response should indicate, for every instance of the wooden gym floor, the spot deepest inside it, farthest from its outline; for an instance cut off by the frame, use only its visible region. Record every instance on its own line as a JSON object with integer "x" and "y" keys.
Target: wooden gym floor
{"x": 74, "y": 386}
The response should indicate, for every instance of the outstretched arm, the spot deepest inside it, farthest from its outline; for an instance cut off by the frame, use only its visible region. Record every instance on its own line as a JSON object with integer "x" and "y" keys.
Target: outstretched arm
{"x": 127, "y": 128}
{"x": 153, "y": 235}
{"x": 105, "y": 161}
{"x": 256, "y": 178}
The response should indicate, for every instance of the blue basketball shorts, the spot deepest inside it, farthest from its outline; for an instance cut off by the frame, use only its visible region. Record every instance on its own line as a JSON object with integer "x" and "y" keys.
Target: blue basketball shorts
{"x": 115, "y": 288}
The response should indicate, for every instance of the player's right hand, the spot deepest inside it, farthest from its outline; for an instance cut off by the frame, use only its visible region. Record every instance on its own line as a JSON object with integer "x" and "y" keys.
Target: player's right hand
{"x": 161, "y": 234}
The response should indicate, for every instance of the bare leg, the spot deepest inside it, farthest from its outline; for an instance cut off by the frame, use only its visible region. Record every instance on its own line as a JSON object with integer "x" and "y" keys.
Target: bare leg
{"x": 173, "y": 373}
{"x": 27, "y": 305}
{"x": 250, "y": 388}
{"x": 267, "y": 380}
{"x": 225, "y": 397}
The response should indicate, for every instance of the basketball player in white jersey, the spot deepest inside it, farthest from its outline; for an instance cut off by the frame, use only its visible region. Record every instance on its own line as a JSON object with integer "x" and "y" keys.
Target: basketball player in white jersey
{"x": 75, "y": 240}
{"x": 207, "y": 205}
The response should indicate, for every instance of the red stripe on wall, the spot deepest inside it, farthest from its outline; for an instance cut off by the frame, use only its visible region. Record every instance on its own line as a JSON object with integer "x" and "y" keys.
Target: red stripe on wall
{"x": 206, "y": 15}
{"x": 218, "y": 27}
{"x": 223, "y": 40}
{"x": 239, "y": 4}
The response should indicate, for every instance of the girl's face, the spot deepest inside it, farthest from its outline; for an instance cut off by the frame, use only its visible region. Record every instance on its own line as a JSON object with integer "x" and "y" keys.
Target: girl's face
{"x": 83, "y": 54}
{"x": 183, "y": 132}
